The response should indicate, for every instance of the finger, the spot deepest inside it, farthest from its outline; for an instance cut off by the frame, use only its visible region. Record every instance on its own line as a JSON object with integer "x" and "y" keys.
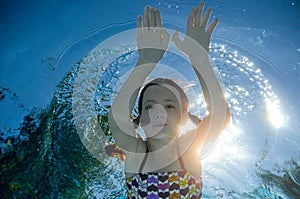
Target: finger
{"x": 146, "y": 17}
{"x": 175, "y": 37}
{"x": 139, "y": 25}
{"x": 166, "y": 35}
{"x": 199, "y": 14}
{"x": 166, "y": 38}
{"x": 205, "y": 18}
{"x": 191, "y": 16}
{"x": 151, "y": 17}
{"x": 212, "y": 26}
{"x": 158, "y": 19}
{"x": 176, "y": 40}
{"x": 139, "y": 22}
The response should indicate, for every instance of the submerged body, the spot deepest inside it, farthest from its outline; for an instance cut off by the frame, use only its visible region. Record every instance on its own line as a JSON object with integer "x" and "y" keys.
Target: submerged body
{"x": 166, "y": 163}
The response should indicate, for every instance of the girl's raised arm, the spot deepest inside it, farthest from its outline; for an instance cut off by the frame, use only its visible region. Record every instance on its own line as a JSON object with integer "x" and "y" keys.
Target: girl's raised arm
{"x": 152, "y": 42}
{"x": 196, "y": 46}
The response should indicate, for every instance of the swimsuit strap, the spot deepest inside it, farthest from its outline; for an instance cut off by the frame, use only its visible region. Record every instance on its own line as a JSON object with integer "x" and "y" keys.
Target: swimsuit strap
{"x": 144, "y": 160}
{"x": 180, "y": 157}
{"x": 181, "y": 163}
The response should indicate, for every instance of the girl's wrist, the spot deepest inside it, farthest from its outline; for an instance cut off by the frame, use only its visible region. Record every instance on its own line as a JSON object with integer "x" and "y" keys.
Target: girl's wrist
{"x": 200, "y": 60}
{"x": 142, "y": 69}
{"x": 194, "y": 49}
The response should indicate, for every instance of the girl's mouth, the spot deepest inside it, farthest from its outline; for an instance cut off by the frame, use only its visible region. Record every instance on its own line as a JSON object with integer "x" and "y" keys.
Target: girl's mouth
{"x": 159, "y": 125}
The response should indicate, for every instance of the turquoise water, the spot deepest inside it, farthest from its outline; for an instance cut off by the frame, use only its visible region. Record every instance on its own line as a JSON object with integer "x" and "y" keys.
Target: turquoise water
{"x": 48, "y": 48}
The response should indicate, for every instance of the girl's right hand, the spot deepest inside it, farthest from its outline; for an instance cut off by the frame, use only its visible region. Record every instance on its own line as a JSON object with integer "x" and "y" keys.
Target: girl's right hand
{"x": 152, "y": 39}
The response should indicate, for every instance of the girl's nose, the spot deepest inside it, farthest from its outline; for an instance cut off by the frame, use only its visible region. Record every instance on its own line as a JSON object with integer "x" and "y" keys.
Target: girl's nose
{"x": 159, "y": 116}
{"x": 158, "y": 112}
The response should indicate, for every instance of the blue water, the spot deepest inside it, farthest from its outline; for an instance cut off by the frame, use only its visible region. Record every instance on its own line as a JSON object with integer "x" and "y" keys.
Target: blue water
{"x": 47, "y": 46}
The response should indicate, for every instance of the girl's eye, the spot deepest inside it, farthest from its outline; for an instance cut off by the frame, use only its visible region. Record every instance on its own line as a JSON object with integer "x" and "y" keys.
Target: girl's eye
{"x": 148, "y": 107}
{"x": 170, "y": 106}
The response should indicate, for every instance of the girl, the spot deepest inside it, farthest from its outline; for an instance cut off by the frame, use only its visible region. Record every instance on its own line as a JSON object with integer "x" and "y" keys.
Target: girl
{"x": 165, "y": 164}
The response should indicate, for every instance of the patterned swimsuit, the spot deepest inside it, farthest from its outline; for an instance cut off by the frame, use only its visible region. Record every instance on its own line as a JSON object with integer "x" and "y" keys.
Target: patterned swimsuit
{"x": 175, "y": 184}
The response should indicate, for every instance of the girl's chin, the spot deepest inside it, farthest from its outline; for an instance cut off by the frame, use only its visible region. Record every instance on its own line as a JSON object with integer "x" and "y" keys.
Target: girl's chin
{"x": 159, "y": 126}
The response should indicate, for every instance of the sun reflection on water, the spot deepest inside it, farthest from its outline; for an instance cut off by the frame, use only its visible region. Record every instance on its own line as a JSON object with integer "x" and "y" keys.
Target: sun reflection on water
{"x": 249, "y": 95}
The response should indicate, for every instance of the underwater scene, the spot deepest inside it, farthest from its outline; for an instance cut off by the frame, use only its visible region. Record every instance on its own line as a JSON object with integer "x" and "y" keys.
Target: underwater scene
{"x": 63, "y": 63}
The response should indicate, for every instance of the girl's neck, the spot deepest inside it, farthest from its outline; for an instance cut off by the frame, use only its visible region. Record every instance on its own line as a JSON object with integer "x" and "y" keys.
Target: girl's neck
{"x": 167, "y": 150}
{"x": 158, "y": 144}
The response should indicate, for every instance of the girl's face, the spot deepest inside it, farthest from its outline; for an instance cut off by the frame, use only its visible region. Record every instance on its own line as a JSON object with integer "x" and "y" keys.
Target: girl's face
{"x": 161, "y": 112}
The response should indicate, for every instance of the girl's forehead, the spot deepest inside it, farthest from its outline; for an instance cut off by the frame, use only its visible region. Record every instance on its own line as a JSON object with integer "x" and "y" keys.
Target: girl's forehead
{"x": 161, "y": 92}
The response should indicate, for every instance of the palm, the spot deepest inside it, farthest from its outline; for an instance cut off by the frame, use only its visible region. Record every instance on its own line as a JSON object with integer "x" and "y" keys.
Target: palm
{"x": 152, "y": 39}
{"x": 200, "y": 36}
{"x": 196, "y": 28}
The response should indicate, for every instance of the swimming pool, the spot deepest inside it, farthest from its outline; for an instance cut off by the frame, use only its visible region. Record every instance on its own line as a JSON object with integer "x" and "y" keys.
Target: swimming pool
{"x": 46, "y": 45}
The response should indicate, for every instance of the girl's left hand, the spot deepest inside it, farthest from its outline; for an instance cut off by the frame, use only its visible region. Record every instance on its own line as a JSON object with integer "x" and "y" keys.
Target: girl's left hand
{"x": 196, "y": 30}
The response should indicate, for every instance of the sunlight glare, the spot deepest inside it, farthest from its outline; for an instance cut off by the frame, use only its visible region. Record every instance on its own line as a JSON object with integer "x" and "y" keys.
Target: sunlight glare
{"x": 274, "y": 114}
{"x": 227, "y": 147}
{"x": 189, "y": 125}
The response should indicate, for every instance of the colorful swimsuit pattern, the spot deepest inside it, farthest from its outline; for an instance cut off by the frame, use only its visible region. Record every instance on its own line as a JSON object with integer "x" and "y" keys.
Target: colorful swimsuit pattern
{"x": 176, "y": 184}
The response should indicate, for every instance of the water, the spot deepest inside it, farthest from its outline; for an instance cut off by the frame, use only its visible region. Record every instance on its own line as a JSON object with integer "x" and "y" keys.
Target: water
{"x": 255, "y": 57}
